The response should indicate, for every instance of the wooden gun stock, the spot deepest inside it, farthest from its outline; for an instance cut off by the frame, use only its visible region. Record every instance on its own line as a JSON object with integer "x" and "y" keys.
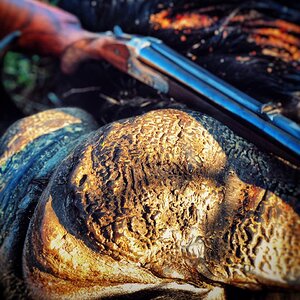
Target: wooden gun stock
{"x": 47, "y": 30}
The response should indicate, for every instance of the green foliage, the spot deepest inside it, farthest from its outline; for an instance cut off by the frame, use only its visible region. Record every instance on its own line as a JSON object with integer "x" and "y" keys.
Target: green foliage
{"x": 19, "y": 70}
{"x": 54, "y": 2}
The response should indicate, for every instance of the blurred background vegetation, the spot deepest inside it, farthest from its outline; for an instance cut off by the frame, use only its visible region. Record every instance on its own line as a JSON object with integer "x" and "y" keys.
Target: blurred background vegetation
{"x": 26, "y": 79}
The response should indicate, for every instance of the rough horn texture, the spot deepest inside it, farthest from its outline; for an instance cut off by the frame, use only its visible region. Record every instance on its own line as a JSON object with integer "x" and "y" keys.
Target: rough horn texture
{"x": 170, "y": 204}
{"x": 29, "y": 152}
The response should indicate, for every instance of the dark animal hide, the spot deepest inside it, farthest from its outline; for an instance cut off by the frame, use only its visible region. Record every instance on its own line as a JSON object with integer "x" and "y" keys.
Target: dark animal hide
{"x": 254, "y": 45}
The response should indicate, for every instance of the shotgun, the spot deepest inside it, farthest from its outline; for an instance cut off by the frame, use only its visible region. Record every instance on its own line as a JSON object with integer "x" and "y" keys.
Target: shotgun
{"x": 157, "y": 65}
{"x": 46, "y": 30}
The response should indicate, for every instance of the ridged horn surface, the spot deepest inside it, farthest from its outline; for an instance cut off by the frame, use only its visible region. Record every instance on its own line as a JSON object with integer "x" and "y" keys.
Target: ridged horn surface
{"x": 170, "y": 196}
{"x": 30, "y": 150}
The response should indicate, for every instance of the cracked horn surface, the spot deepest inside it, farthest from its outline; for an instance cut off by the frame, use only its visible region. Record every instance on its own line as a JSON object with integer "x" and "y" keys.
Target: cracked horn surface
{"x": 167, "y": 196}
